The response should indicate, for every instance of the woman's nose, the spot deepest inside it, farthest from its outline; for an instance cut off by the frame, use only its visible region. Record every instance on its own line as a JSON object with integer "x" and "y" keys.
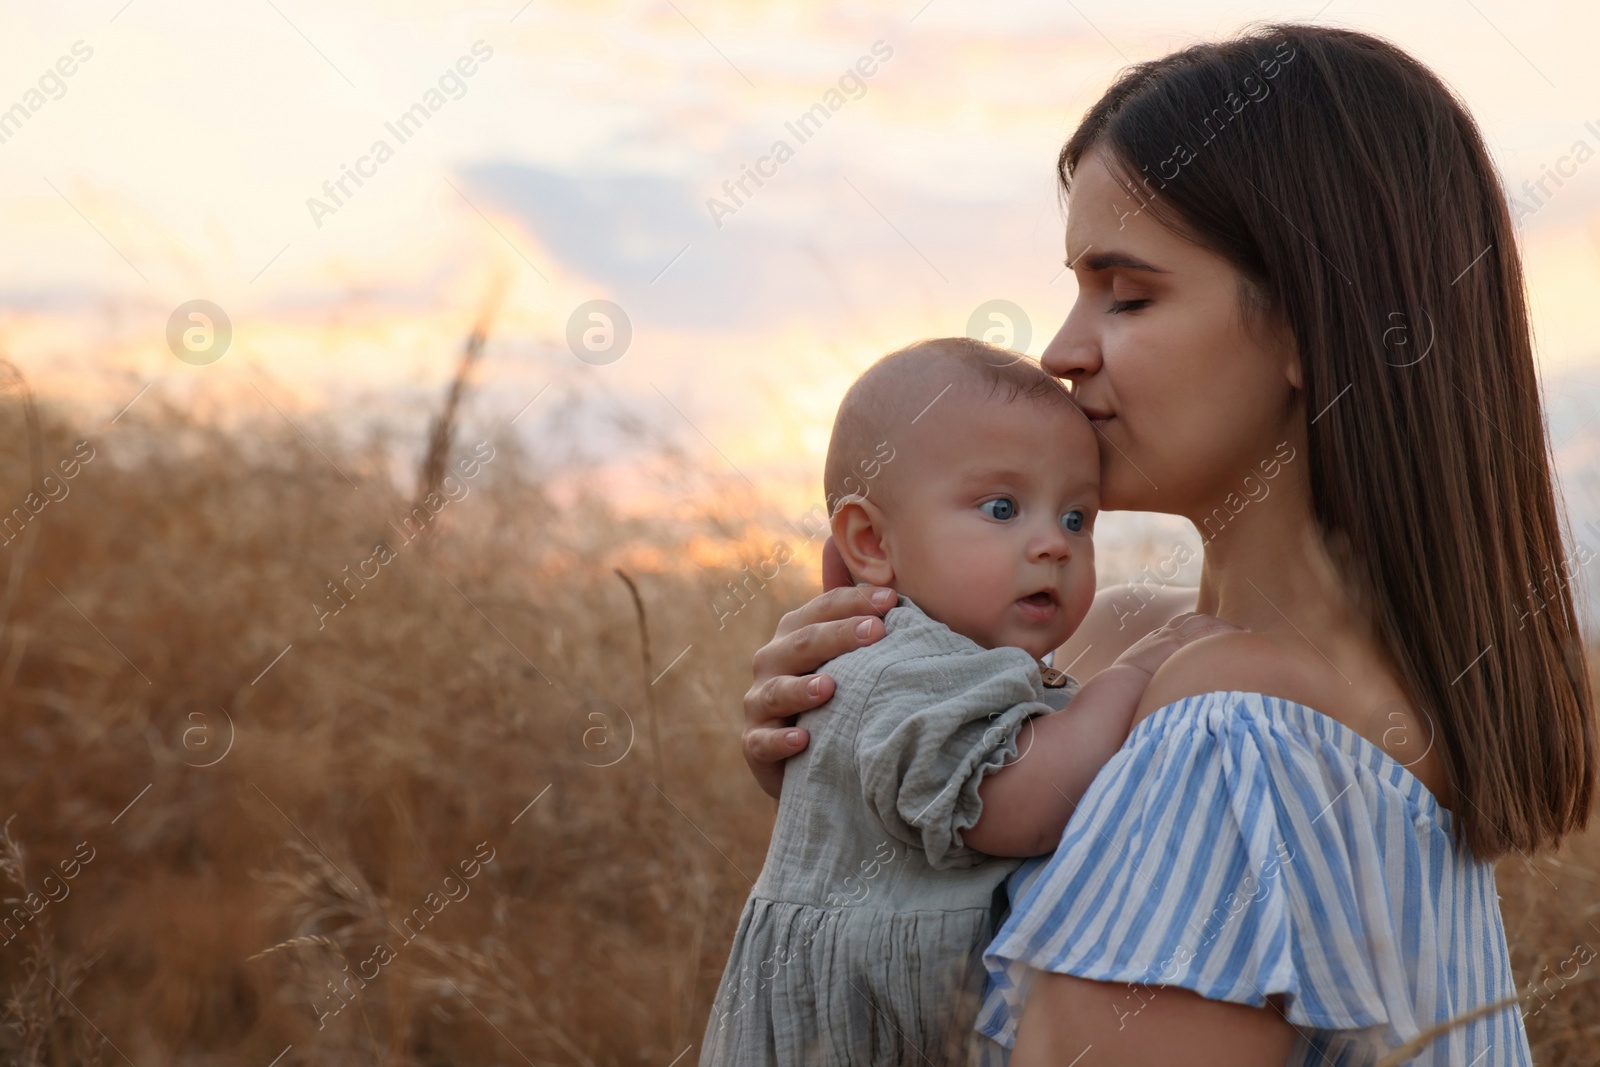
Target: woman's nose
{"x": 1072, "y": 353}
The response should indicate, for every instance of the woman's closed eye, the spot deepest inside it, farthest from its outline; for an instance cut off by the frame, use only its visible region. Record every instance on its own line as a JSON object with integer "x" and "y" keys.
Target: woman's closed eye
{"x": 1002, "y": 508}
{"x": 1119, "y": 306}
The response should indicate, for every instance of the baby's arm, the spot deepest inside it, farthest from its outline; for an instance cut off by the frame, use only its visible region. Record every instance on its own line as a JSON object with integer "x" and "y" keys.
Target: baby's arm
{"x": 1026, "y": 804}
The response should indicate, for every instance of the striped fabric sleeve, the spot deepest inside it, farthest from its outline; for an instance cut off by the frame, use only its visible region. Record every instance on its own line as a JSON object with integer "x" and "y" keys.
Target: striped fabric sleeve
{"x": 1223, "y": 854}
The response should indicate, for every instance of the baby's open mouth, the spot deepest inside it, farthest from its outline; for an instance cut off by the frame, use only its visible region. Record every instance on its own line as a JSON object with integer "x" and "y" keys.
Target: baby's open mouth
{"x": 1040, "y": 607}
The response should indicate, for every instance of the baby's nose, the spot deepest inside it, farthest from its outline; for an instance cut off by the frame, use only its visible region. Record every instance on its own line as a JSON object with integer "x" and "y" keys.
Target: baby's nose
{"x": 1052, "y": 543}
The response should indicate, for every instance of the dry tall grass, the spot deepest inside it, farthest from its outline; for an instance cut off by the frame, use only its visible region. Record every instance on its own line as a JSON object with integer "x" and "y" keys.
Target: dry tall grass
{"x": 377, "y": 787}
{"x": 392, "y": 743}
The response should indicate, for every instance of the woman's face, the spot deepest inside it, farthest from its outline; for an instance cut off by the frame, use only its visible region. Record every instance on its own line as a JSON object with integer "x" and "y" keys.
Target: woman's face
{"x": 1186, "y": 397}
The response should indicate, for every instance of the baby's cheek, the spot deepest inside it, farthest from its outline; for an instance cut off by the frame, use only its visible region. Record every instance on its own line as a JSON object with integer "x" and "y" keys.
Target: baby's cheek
{"x": 950, "y": 594}
{"x": 977, "y": 613}
{"x": 1082, "y": 593}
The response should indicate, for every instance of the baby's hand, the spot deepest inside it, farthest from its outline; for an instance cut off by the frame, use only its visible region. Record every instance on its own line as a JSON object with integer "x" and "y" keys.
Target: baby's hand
{"x": 1152, "y": 650}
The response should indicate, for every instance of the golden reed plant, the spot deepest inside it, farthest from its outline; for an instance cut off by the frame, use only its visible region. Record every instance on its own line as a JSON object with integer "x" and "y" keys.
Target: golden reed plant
{"x": 311, "y": 832}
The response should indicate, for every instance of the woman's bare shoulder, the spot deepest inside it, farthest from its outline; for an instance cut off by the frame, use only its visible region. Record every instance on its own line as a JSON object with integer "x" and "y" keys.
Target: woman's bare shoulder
{"x": 1359, "y": 697}
{"x": 1249, "y": 662}
{"x": 1119, "y": 616}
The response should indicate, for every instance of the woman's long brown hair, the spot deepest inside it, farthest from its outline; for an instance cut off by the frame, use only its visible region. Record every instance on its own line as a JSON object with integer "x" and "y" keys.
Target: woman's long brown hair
{"x": 1353, "y": 192}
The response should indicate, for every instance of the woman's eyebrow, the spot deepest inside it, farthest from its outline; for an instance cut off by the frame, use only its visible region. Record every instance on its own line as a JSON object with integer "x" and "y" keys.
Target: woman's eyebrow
{"x": 1096, "y": 261}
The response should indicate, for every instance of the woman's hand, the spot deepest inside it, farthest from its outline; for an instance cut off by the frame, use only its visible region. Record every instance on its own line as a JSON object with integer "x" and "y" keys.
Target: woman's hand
{"x": 843, "y": 617}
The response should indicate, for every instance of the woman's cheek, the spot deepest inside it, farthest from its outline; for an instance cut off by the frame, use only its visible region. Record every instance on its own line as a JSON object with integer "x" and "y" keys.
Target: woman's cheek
{"x": 1138, "y": 477}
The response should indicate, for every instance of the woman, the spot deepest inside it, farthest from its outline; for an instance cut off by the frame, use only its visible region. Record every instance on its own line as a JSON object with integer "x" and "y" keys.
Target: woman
{"x": 1299, "y": 324}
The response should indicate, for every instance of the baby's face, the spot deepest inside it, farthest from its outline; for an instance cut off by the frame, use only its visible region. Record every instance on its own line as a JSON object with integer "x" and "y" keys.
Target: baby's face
{"x": 990, "y": 531}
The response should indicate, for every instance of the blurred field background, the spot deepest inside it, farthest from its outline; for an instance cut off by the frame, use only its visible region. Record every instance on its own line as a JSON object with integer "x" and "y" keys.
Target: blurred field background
{"x": 265, "y": 795}
{"x": 372, "y": 759}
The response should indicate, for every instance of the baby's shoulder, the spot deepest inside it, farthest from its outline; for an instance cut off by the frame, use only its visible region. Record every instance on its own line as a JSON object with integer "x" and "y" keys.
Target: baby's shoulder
{"x": 919, "y": 654}
{"x": 914, "y": 628}
{"x": 909, "y": 635}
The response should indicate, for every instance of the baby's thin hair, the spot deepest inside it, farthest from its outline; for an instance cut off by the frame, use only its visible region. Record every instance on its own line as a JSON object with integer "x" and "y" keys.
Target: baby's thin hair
{"x": 1021, "y": 376}
{"x": 906, "y": 387}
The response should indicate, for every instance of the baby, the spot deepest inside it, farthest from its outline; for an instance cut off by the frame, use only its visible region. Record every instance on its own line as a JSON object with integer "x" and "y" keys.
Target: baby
{"x": 964, "y": 476}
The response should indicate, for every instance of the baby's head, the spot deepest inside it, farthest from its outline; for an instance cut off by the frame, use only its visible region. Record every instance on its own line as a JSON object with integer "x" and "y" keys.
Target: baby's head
{"x": 963, "y": 475}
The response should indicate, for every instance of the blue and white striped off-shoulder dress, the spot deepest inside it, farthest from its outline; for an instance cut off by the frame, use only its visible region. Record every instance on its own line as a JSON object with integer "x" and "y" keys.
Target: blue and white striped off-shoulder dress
{"x": 1243, "y": 846}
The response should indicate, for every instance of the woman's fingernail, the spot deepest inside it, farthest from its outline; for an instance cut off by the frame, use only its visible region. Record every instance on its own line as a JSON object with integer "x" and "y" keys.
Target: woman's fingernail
{"x": 813, "y": 688}
{"x": 882, "y": 598}
{"x": 792, "y": 738}
{"x": 863, "y": 628}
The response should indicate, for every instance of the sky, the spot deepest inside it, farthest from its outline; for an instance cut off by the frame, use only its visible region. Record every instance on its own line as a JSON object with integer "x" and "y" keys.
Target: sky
{"x": 352, "y": 183}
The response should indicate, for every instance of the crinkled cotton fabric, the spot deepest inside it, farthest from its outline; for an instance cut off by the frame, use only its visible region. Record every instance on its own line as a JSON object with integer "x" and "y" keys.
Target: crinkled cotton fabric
{"x": 861, "y": 941}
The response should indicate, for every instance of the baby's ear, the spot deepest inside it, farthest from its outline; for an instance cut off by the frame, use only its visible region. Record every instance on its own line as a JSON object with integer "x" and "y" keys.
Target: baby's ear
{"x": 858, "y": 526}
{"x": 835, "y": 575}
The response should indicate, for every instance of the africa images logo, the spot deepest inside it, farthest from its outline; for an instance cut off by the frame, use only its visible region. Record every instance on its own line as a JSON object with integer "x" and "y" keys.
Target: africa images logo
{"x": 452, "y": 85}
{"x": 852, "y": 85}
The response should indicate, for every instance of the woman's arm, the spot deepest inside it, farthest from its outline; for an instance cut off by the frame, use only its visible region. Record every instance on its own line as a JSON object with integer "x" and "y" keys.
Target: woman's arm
{"x": 845, "y": 617}
{"x": 1099, "y": 1024}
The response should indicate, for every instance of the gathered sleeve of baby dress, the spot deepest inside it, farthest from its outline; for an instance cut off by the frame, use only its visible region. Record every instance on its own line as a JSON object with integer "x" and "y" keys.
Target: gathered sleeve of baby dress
{"x": 1244, "y": 846}
{"x": 937, "y": 725}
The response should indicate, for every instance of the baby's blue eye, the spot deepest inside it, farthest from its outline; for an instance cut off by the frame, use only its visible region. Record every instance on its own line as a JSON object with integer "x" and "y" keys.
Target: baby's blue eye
{"x": 1001, "y": 508}
{"x": 1072, "y": 520}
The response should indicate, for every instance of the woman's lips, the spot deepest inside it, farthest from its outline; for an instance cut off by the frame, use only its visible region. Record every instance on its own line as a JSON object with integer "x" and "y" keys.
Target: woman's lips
{"x": 1098, "y": 418}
